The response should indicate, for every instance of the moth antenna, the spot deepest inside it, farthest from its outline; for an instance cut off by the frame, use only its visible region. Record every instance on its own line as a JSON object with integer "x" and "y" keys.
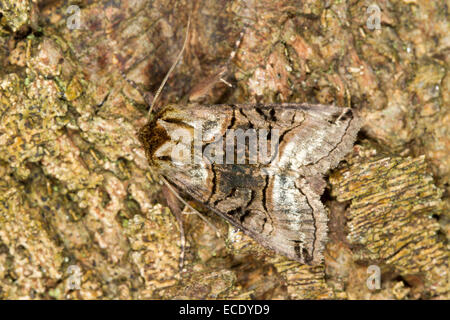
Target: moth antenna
{"x": 226, "y": 82}
{"x": 133, "y": 84}
{"x": 231, "y": 57}
{"x": 236, "y": 46}
{"x": 189, "y": 206}
{"x": 171, "y": 69}
{"x": 222, "y": 73}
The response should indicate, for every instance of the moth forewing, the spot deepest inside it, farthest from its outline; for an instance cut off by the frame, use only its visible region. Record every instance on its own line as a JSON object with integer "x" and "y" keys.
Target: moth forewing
{"x": 275, "y": 201}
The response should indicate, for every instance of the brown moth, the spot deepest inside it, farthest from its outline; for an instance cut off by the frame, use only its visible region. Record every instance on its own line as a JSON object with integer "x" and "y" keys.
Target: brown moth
{"x": 274, "y": 199}
{"x": 259, "y": 167}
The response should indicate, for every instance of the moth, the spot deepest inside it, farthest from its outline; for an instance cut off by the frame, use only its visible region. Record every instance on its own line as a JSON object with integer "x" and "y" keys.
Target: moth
{"x": 277, "y": 202}
{"x": 212, "y": 153}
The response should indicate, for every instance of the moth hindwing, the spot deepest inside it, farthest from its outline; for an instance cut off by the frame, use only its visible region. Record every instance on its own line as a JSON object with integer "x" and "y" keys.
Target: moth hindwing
{"x": 260, "y": 167}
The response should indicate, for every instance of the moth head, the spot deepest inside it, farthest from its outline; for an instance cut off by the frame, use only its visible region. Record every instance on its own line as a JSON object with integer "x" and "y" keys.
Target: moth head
{"x": 167, "y": 140}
